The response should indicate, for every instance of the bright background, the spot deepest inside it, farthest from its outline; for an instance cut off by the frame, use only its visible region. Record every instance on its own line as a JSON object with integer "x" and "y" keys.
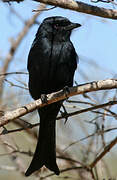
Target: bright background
{"x": 95, "y": 42}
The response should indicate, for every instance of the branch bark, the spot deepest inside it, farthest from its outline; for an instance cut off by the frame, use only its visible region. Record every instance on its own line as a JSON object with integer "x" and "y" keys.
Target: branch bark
{"x": 79, "y": 7}
{"x": 57, "y": 96}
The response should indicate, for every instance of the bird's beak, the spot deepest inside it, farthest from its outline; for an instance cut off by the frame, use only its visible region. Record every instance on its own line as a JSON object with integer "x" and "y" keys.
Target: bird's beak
{"x": 73, "y": 26}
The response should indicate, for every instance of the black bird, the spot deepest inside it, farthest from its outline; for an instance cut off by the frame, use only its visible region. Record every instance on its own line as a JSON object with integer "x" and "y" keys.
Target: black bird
{"x": 52, "y": 62}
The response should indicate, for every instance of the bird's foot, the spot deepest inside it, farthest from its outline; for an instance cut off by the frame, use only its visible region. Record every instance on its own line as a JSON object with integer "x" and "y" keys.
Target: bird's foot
{"x": 66, "y": 91}
{"x": 44, "y": 99}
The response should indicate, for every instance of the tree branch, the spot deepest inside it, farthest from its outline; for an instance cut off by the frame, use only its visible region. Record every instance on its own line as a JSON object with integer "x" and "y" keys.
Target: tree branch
{"x": 57, "y": 96}
{"x": 79, "y": 7}
{"x": 102, "y": 154}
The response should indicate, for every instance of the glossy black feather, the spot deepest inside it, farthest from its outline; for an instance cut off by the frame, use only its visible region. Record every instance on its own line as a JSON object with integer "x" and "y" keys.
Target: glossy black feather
{"x": 52, "y": 62}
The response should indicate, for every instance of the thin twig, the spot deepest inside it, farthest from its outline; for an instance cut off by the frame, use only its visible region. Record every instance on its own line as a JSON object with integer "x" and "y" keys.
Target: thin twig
{"x": 15, "y": 85}
{"x": 102, "y": 154}
{"x": 46, "y": 9}
{"x": 11, "y": 73}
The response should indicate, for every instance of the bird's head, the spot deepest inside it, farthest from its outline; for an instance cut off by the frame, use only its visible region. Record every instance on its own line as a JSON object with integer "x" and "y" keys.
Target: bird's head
{"x": 57, "y": 28}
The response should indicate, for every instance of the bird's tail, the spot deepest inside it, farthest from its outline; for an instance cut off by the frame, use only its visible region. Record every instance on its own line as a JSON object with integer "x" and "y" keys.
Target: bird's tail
{"x": 45, "y": 153}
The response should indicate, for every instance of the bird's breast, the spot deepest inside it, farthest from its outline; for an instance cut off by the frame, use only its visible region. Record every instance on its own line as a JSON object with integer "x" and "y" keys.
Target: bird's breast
{"x": 51, "y": 68}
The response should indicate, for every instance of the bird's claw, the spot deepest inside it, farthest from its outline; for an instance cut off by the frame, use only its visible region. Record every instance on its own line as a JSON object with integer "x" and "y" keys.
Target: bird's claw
{"x": 44, "y": 98}
{"x": 66, "y": 91}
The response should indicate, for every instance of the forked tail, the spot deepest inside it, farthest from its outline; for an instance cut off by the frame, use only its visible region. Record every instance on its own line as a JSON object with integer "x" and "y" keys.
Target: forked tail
{"x": 45, "y": 153}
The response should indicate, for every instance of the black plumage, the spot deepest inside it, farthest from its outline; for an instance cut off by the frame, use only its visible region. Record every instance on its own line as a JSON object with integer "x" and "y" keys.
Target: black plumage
{"x": 52, "y": 62}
